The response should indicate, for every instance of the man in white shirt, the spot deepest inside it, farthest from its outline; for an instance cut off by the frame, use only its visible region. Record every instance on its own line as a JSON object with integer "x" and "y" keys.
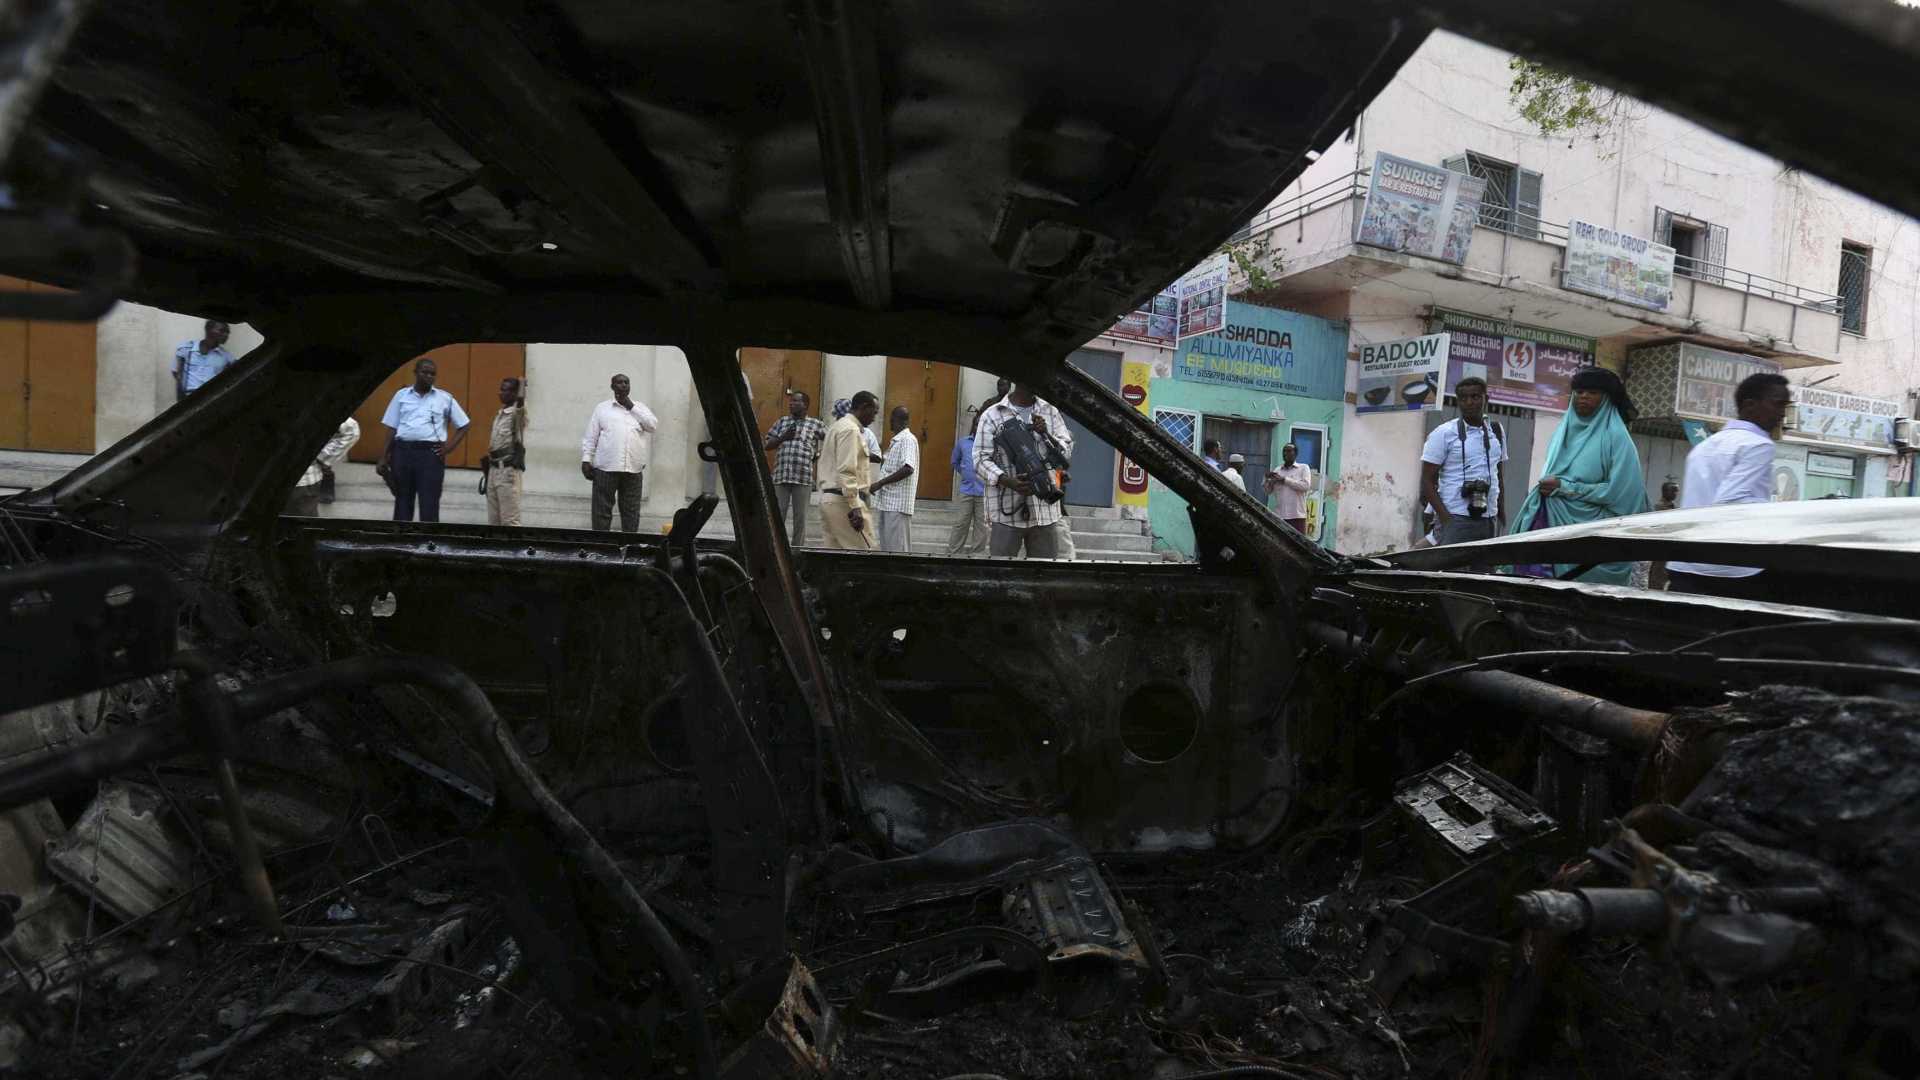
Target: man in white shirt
{"x": 1462, "y": 468}
{"x": 1236, "y": 470}
{"x": 415, "y": 460}
{"x": 899, "y": 481}
{"x": 1018, "y": 518}
{"x": 1735, "y": 465}
{"x": 195, "y": 362}
{"x": 1289, "y": 485}
{"x": 305, "y": 500}
{"x": 613, "y": 455}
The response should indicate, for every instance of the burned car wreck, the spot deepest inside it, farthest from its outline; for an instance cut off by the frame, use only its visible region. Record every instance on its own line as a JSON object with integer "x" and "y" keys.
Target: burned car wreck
{"x": 292, "y": 796}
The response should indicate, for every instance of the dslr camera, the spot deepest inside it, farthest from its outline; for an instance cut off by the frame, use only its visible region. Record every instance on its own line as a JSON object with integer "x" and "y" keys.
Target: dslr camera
{"x": 1475, "y": 492}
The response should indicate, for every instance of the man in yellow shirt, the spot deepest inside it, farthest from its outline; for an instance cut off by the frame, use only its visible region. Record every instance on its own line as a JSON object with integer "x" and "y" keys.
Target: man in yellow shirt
{"x": 843, "y": 509}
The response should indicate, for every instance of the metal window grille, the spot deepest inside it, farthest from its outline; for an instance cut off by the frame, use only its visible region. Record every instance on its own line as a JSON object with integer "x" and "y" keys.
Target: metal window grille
{"x": 1856, "y": 264}
{"x": 1496, "y": 206}
{"x": 1180, "y": 424}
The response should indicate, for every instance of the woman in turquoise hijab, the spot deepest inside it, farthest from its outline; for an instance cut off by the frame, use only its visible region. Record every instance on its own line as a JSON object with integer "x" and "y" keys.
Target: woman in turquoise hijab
{"x": 1592, "y": 472}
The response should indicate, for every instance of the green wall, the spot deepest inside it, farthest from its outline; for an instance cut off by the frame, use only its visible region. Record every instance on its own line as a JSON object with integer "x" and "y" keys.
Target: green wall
{"x": 1172, "y": 529}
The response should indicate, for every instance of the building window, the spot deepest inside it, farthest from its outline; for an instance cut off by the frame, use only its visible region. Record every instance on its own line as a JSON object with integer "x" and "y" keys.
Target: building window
{"x": 1512, "y": 200}
{"x": 1181, "y": 424}
{"x": 1699, "y": 247}
{"x": 1856, "y": 266}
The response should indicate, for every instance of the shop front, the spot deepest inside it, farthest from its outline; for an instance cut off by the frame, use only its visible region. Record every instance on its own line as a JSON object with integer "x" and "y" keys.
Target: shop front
{"x": 1266, "y": 378}
{"x": 1833, "y": 445}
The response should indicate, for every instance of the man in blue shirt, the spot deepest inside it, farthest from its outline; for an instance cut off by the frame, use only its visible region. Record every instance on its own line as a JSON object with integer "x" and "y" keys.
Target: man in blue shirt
{"x": 415, "y": 460}
{"x": 970, "y": 533}
{"x": 194, "y": 362}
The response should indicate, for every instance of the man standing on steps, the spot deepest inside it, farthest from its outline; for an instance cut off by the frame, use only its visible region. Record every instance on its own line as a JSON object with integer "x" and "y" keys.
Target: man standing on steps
{"x": 415, "y": 460}
{"x": 970, "y": 533}
{"x": 506, "y": 462}
{"x": 899, "y": 482}
{"x": 194, "y": 362}
{"x": 796, "y": 438}
{"x": 842, "y": 511}
{"x": 1020, "y": 520}
{"x": 613, "y": 455}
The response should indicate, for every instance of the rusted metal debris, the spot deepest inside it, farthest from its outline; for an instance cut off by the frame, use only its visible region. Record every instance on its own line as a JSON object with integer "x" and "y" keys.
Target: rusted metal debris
{"x": 120, "y": 854}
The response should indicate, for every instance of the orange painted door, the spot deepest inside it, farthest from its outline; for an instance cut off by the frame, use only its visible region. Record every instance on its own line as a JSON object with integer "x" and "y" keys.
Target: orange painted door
{"x": 47, "y": 380}
{"x": 16, "y": 387}
{"x": 62, "y": 368}
{"x": 487, "y": 364}
{"x": 931, "y": 393}
{"x": 771, "y": 374}
{"x": 471, "y": 373}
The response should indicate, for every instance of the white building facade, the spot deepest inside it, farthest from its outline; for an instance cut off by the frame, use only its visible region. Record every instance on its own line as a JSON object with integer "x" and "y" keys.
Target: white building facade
{"x": 1773, "y": 265}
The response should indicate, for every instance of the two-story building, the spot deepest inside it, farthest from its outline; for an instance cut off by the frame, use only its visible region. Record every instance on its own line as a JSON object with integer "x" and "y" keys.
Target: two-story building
{"x": 1771, "y": 269}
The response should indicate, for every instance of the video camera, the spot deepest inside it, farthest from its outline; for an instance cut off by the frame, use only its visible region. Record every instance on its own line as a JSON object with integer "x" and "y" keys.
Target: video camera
{"x": 1033, "y": 458}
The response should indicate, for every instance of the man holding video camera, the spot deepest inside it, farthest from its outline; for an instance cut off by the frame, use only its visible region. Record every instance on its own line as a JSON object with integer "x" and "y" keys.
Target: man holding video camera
{"x": 1460, "y": 470}
{"x": 1021, "y": 441}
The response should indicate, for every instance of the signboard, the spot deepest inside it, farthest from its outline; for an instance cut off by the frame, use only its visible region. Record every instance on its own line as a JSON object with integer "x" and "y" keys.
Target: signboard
{"x": 1528, "y": 366}
{"x": 1839, "y": 465}
{"x": 1195, "y": 304}
{"x": 1707, "y": 378}
{"x": 1203, "y": 297}
{"x": 1832, "y": 416}
{"x": 1420, "y": 209}
{"x": 1135, "y": 378}
{"x": 1156, "y": 322}
{"x": 1617, "y": 266}
{"x": 1789, "y": 472}
{"x": 1264, "y": 349}
{"x": 1408, "y": 375}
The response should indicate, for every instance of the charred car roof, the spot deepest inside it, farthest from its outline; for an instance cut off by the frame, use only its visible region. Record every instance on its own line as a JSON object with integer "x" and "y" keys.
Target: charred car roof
{"x": 907, "y": 157}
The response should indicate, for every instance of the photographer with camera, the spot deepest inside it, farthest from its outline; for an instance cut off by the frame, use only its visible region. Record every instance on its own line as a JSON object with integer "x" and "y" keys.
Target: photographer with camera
{"x": 1461, "y": 469}
{"x": 1022, "y": 439}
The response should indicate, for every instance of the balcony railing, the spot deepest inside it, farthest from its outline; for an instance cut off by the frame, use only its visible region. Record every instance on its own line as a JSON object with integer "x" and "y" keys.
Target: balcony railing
{"x": 1353, "y": 186}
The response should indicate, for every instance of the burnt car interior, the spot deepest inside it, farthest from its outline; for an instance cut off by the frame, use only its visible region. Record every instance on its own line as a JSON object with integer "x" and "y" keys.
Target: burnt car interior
{"x": 294, "y": 796}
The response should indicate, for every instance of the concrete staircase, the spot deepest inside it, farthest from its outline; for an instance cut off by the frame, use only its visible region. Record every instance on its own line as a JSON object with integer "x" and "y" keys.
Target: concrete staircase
{"x": 1099, "y": 533}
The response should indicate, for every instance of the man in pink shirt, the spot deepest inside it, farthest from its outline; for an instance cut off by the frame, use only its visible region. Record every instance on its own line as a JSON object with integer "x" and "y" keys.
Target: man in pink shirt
{"x": 1289, "y": 485}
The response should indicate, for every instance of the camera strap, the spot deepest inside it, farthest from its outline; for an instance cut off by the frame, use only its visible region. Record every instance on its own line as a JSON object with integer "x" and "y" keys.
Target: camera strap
{"x": 1486, "y": 445}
